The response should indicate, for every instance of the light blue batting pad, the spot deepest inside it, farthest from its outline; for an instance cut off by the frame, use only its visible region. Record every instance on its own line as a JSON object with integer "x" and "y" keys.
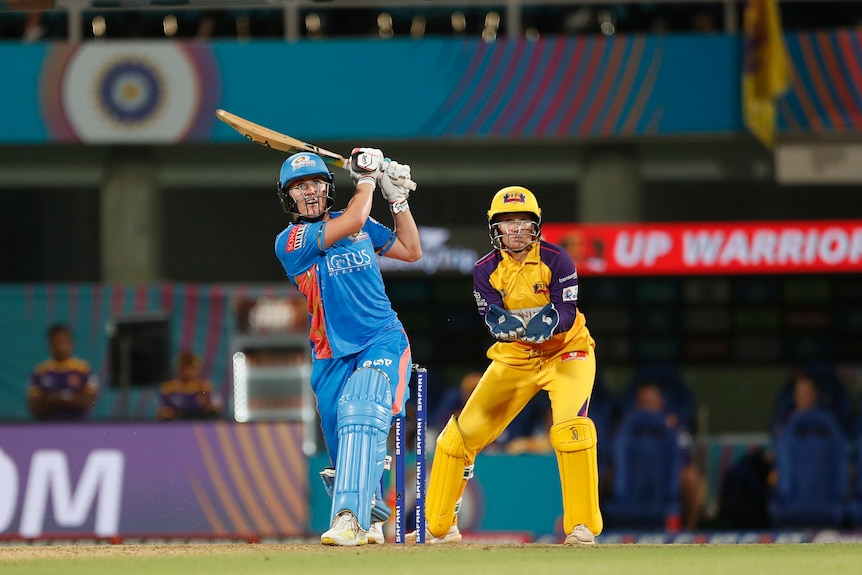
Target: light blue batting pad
{"x": 364, "y": 416}
{"x": 379, "y": 511}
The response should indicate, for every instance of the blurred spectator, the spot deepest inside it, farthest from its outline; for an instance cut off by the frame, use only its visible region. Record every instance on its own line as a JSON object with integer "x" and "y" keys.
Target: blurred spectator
{"x": 678, "y": 399}
{"x": 804, "y": 396}
{"x": 747, "y": 484}
{"x": 63, "y": 387}
{"x": 813, "y": 385}
{"x": 649, "y": 397}
{"x": 188, "y": 396}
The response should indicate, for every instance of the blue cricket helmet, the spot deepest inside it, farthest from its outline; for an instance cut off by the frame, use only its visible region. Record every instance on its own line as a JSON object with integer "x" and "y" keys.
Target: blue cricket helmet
{"x": 301, "y": 165}
{"x": 297, "y": 166}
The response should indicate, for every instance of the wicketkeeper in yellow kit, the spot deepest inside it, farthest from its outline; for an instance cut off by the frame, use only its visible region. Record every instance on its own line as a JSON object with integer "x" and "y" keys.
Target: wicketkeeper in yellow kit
{"x": 527, "y": 291}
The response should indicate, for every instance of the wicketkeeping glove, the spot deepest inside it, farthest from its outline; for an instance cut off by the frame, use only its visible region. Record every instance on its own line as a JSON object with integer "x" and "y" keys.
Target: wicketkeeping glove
{"x": 503, "y": 325}
{"x": 393, "y": 178}
{"x": 365, "y": 165}
{"x": 542, "y": 325}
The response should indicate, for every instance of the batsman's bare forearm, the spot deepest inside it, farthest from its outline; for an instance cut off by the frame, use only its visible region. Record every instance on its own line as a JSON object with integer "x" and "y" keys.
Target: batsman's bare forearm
{"x": 359, "y": 207}
{"x": 408, "y": 236}
{"x": 354, "y": 217}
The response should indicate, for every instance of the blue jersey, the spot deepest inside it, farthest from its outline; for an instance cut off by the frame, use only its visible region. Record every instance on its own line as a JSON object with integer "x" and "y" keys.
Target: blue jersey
{"x": 347, "y": 303}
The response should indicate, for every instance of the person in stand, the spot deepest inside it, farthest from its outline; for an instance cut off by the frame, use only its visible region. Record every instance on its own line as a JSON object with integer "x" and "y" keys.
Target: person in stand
{"x": 63, "y": 387}
{"x": 526, "y": 291}
{"x": 649, "y": 397}
{"x": 188, "y": 396}
{"x": 361, "y": 359}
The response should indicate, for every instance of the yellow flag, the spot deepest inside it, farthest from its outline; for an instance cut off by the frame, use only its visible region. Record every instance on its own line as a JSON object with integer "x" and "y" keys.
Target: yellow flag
{"x": 766, "y": 69}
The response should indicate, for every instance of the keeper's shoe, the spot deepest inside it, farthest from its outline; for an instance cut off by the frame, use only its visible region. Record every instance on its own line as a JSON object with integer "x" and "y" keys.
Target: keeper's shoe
{"x": 581, "y": 535}
{"x": 345, "y": 532}
{"x": 375, "y": 533}
{"x": 452, "y": 536}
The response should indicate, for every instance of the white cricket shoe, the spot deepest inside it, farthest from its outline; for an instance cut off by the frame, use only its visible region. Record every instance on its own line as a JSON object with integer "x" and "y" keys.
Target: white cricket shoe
{"x": 375, "y": 533}
{"x": 452, "y": 536}
{"x": 345, "y": 531}
{"x": 581, "y": 535}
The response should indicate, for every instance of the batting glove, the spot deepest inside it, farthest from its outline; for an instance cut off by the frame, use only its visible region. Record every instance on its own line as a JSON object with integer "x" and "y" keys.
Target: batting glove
{"x": 398, "y": 173}
{"x": 393, "y": 178}
{"x": 365, "y": 165}
{"x": 503, "y": 325}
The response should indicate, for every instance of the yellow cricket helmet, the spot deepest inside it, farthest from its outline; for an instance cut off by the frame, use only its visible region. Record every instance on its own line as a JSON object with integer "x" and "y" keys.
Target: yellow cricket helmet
{"x": 513, "y": 199}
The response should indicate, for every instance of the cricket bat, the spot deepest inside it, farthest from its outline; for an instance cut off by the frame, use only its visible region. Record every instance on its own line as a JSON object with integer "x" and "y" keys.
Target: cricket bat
{"x": 275, "y": 140}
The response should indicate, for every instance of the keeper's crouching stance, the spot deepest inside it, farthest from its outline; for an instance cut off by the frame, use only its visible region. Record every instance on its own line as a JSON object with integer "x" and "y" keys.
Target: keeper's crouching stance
{"x": 526, "y": 290}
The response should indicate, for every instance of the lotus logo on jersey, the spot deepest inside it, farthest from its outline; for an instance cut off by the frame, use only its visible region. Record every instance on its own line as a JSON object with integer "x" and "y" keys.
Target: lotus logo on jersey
{"x": 348, "y": 262}
{"x": 514, "y": 198}
{"x": 301, "y": 162}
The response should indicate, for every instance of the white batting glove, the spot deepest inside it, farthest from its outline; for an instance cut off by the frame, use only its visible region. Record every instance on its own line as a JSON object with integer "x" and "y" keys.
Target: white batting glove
{"x": 394, "y": 179}
{"x": 395, "y": 195}
{"x": 365, "y": 165}
{"x": 398, "y": 173}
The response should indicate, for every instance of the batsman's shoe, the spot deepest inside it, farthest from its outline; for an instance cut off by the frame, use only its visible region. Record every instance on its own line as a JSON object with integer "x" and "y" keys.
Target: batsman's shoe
{"x": 375, "y": 533}
{"x": 581, "y": 535}
{"x": 452, "y": 536}
{"x": 345, "y": 532}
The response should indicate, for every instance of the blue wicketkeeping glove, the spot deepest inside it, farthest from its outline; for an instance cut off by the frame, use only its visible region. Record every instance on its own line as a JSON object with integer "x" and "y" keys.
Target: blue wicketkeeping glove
{"x": 541, "y": 327}
{"x": 503, "y": 325}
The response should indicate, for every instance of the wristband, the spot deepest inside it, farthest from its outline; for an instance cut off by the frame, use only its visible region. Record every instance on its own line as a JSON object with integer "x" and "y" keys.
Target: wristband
{"x": 367, "y": 180}
{"x": 399, "y": 207}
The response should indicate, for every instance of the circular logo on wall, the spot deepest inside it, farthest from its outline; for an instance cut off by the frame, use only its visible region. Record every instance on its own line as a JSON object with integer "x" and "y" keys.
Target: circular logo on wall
{"x": 130, "y": 92}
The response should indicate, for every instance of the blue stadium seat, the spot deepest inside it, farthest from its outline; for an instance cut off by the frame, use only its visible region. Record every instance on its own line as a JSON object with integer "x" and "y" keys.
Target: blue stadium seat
{"x": 811, "y": 459}
{"x": 854, "y": 508}
{"x": 603, "y": 412}
{"x": 646, "y": 474}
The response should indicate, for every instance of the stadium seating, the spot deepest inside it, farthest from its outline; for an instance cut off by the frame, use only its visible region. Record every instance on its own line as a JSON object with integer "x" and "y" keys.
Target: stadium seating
{"x": 832, "y": 395}
{"x": 854, "y": 507}
{"x": 646, "y": 474}
{"x": 811, "y": 459}
{"x": 678, "y": 396}
{"x": 603, "y": 413}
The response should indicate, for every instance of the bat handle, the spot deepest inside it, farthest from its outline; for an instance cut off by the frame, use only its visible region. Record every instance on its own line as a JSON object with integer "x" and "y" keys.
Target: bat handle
{"x": 410, "y": 185}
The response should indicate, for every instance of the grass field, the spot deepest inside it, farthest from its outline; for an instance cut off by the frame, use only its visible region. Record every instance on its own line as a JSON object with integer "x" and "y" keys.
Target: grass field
{"x": 265, "y": 559}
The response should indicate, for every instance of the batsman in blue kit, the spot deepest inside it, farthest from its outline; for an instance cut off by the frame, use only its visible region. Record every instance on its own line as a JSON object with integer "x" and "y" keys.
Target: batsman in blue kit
{"x": 361, "y": 357}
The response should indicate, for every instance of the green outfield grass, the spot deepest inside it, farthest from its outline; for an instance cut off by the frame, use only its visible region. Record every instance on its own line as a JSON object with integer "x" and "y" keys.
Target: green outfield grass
{"x": 265, "y": 559}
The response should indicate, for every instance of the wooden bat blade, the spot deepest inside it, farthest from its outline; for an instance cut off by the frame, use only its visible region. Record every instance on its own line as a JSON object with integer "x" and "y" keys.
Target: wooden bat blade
{"x": 276, "y": 140}
{"x": 284, "y": 143}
